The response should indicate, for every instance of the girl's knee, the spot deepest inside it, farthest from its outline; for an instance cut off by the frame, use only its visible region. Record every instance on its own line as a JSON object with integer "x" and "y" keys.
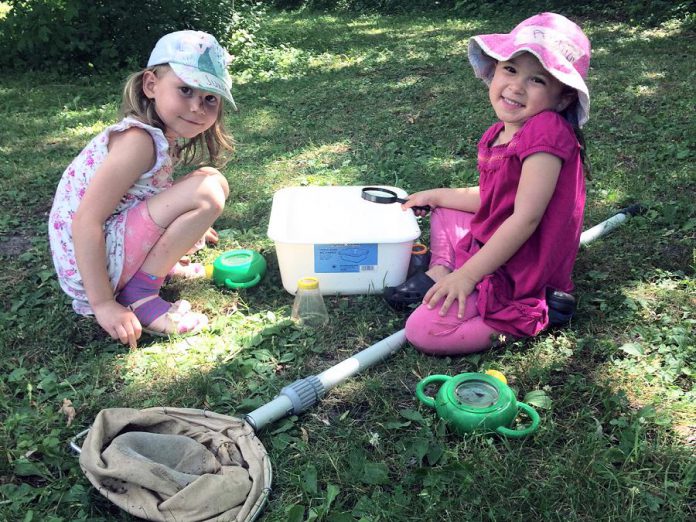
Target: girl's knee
{"x": 213, "y": 179}
{"x": 211, "y": 189}
{"x": 435, "y": 335}
{"x": 419, "y": 326}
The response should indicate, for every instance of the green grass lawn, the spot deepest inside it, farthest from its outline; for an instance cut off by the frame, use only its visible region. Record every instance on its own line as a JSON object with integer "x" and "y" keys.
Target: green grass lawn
{"x": 364, "y": 100}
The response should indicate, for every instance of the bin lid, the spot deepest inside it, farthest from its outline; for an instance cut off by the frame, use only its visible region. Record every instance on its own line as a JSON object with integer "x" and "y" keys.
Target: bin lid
{"x": 328, "y": 215}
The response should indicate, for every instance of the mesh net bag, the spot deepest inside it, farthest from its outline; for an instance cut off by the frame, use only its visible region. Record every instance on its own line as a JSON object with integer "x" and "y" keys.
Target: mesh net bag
{"x": 177, "y": 464}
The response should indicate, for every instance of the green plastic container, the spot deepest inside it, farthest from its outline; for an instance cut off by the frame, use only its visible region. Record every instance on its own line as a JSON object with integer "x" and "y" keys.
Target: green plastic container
{"x": 477, "y": 402}
{"x": 237, "y": 269}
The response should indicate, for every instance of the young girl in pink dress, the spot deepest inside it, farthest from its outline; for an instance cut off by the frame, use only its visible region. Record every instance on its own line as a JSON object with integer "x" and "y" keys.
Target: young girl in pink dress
{"x": 119, "y": 222}
{"x": 497, "y": 248}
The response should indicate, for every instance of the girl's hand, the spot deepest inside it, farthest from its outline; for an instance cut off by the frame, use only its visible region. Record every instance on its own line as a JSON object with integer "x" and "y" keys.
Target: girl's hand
{"x": 211, "y": 236}
{"x": 420, "y": 199}
{"x": 119, "y": 322}
{"x": 455, "y": 286}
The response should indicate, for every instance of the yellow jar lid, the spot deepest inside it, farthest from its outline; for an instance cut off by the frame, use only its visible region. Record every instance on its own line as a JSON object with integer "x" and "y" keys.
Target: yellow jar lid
{"x": 308, "y": 283}
{"x": 498, "y": 375}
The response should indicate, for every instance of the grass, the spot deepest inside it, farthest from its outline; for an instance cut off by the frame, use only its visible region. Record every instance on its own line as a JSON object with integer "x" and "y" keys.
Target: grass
{"x": 368, "y": 99}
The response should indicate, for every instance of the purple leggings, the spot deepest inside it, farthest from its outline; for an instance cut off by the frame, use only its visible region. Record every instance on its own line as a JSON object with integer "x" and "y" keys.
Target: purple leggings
{"x": 449, "y": 335}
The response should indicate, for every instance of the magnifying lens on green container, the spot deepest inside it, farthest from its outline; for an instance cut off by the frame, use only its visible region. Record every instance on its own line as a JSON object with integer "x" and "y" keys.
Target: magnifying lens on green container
{"x": 237, "y": 269}
{"x": 477, "y": 402}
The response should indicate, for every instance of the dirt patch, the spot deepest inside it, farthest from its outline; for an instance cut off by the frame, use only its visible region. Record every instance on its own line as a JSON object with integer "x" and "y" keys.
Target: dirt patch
{"x": 12, "y": 246}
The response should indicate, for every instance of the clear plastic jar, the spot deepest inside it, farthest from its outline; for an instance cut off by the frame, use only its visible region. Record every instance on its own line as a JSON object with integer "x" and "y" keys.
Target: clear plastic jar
{"x": 309, "y": 308}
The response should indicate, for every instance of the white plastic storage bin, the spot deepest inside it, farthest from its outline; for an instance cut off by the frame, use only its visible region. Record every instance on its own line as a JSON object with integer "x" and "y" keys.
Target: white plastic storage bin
{"x": 351, "y": 245}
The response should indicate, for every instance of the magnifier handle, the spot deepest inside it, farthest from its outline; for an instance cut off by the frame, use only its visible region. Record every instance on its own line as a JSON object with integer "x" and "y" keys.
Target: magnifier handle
{"x": 425, "y": 208}
{"x": 420, "y": 388}
{"x": 234, "y": 285}
{"x": 533, "y": 415}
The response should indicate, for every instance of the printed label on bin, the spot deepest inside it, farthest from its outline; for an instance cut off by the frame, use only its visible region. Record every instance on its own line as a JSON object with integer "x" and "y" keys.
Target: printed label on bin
{"x": 345, "y": 258}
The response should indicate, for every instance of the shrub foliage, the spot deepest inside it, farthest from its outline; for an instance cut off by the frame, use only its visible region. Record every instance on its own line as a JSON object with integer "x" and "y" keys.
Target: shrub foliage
{"x": 85, "y": 35}
{"x": 88, "y": 35}
{"x": 649, "y": 12}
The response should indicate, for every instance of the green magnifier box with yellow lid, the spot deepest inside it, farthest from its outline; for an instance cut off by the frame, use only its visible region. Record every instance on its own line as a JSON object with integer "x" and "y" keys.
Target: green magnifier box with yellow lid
{"x": 477, "y": 402}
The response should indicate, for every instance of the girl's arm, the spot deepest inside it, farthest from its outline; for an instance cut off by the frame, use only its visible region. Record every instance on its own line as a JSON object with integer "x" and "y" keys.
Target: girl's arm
{"x": 466, "y": 198}
{"x": 130, "y": 154}
{"x": 540, "y": 173}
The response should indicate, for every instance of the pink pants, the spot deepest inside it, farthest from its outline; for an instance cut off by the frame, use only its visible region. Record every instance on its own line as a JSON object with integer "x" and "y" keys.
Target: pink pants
{"x": 449, "y": 335}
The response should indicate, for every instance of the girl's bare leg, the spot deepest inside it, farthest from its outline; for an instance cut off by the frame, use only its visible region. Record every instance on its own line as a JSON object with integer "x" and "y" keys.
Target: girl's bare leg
{"x": 185, "y": 210}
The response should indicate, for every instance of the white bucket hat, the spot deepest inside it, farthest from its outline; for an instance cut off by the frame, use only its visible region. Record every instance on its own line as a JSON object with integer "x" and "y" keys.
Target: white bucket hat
{"x": 560, "y": 46}
{"x": 197, "y": 59}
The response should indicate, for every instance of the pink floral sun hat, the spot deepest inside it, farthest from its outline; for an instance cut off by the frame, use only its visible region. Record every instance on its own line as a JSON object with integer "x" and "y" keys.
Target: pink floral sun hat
{"x": 197, "y": 59}
{"x": 559, "y": 44}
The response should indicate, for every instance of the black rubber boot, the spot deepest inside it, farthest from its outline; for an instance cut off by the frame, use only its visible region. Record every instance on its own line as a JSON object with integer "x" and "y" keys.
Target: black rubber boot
{"x": 409, "y": 292}
{"x": 561, "y": 307}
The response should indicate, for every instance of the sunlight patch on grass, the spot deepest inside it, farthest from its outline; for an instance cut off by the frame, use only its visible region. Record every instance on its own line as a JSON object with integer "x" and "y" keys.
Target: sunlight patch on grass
{"x": 322, "y": 165}
{"x": 373, "y": 31}
{"x": 654, "y": 356}
{"x": 644, "y": 90}
{"x": 408, "y": 81}
{"x": 86, "y": 131}
{"x": 158, "y": 364}
{"x": 333, "y": 62}
{"x": 262, "y": 121}
{"x": 667, "y": 30}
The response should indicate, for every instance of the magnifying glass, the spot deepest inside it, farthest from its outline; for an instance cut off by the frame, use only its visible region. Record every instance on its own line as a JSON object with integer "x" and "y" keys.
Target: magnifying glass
{"x": 382, "y": 195}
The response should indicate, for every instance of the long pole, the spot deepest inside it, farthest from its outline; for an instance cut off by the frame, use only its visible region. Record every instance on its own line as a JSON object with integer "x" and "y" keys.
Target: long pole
{"x": 304, "y": 393}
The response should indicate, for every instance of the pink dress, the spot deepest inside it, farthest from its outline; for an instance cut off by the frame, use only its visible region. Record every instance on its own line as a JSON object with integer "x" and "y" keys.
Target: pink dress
{"x": 512, "y": 299}
{"x": 69, "y": 194}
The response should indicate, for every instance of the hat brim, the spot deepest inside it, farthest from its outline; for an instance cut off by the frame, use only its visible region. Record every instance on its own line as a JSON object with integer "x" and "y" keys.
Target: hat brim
{"x": 194, "y": 77}
{"x": 484, "y": 51}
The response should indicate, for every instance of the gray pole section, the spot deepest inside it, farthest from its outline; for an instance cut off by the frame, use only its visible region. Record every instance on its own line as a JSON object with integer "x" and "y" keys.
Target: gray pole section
{"x": 304, "y": 393}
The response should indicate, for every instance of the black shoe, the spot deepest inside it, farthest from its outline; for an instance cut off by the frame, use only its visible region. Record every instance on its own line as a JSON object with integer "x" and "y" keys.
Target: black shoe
{"x": 408, "y": 293}
{"x": 561, "y": 307}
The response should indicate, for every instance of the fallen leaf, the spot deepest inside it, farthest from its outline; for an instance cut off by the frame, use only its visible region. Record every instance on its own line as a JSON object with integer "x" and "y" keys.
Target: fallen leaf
{"x": 68, "y": 410}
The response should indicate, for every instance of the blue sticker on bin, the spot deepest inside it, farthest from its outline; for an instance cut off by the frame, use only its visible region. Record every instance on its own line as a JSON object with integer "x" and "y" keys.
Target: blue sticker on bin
{"x": 345, "y": 258}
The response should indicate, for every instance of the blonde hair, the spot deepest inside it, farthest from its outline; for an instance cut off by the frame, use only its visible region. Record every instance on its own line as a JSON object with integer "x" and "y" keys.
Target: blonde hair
{"x": 216, "y": 140}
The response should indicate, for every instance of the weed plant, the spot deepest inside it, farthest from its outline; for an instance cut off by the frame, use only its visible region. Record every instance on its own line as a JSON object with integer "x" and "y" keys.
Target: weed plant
{"x": 349, "y": 99}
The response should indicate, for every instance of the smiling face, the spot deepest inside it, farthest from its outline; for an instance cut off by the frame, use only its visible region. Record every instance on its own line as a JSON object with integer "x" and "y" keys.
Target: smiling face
{"x": 522, "y": 88}
{"x": 186, "y": 112}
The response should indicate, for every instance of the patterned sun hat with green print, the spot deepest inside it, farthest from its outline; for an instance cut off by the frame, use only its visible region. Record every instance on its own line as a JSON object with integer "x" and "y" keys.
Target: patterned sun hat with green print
{"x": 197, "y": 59}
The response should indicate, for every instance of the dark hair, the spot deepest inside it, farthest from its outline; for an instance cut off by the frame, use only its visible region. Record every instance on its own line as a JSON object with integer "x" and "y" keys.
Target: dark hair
{"x": 570, "y": 114}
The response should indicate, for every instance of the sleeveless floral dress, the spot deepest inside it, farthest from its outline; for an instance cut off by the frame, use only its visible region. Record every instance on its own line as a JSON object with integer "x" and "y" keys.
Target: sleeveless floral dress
{"x": 69, "y": 194}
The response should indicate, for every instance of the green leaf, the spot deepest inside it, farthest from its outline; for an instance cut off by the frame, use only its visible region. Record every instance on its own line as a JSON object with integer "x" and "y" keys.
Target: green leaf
{"x": 632, "y": 349}
{"x": 375, "y": 473}
{"x": 435, "y": 452}
{"x": 395, "y": 425}
{"x": 418, "y": 448}
{"x": 26, "y": 468}
{"x": 309, "y": 480}
{"x": 17, "y": 375}
{"x": 295, "y": 513}
{"x": 412, "y": 415}
{"x": 332, "y": 491}
{"x": 538, "y": 399}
